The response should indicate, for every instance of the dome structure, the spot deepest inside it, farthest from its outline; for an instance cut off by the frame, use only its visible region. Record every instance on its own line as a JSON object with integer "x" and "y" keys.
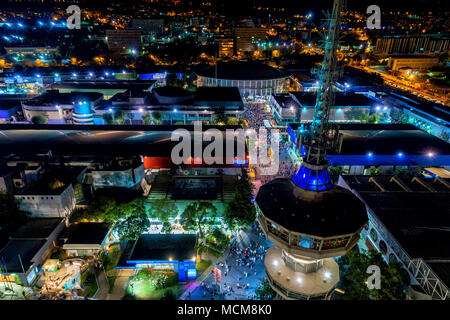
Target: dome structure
{"x": 255, "y": 80}
{"x": 329, "y": 213}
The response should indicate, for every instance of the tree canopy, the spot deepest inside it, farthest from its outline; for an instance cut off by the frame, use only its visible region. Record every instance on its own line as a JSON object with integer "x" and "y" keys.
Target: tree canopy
{"x": 157, "y": 117}
{"x": 264, "y": 291}
{"x": 353, "y": 267}
{"x": 39, "y": 120}
{"x": 163, "y": 210}
{"x": 241, "y": 211}
{"x": 132, "y": 227}
{"x": 198, "y": 216}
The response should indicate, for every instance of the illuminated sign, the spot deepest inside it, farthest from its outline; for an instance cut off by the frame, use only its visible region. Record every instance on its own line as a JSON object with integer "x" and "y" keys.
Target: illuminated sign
{"x": 192, "y": 273}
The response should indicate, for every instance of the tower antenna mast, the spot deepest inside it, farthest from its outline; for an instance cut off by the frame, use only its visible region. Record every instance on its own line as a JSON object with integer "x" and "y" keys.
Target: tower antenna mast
{"x": 321, "y": 137}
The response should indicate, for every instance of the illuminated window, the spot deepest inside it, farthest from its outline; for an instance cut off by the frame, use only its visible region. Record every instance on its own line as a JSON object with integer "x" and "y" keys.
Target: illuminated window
{"x": 383, "y": 246}
{"x": 373, "y": 235}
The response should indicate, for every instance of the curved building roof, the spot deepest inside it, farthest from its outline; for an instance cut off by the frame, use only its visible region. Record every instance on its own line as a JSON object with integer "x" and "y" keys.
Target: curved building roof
{"x": 324, "y": 214}
{"x": 242, "y": 70}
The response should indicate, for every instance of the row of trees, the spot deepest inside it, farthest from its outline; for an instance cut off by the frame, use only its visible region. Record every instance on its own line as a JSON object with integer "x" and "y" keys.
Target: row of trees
{"x": 372, "y": 118}
{"x": 131, "y": 219}
{"x": 119, "y": 117}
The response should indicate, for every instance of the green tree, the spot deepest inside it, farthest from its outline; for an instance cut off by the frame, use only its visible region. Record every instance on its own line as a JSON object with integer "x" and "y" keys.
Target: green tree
{"x": 335, "y": 172}
{"x": 163, "y": 209}
{"x": 353, "y": 268}
{"x": 157, "y": 117}
{"x": 146, "y": 118}
{"x": 264, "y": 291}
{"x": 108, "y": 118}
{"x": 220, "y": 238}
{"x": 119, "y": 117}
{"x": 198, "y": 216}
{"x": 221, "y": 118}
{"x": 364, "y": 118}
{"x": 402, "y": 173}
{"x": 374, "y": 171}
{"x": 169, "y": 295}
{"x": 172, "y": 80}
{"x": 373, "y": 118}
{"x": 241, "y": 211}
{"x": 233, "y": 121}
{"x": 39, "y": 120}
{"x": 131, "y": 227}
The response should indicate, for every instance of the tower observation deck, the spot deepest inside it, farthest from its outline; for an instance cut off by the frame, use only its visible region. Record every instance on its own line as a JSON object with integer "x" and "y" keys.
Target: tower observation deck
{"x": 309, "y": 219}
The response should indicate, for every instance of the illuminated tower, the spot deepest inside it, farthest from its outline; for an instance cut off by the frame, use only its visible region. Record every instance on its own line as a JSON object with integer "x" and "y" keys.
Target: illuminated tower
{"x": 309, "y": 219}
{"x": 82, "y": 113}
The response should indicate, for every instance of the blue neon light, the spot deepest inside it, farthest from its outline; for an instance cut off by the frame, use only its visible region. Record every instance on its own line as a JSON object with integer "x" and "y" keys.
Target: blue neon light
{"x": 315, "y": 180}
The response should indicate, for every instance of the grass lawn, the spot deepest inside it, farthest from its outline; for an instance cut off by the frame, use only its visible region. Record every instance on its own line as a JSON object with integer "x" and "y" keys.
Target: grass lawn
{"x": 202, "y": 265}
{"x": 111, "y": 281}
{"x": 88, "y": 282}
{"x": 112, "y": 258}
{"x": 143, "y": 290}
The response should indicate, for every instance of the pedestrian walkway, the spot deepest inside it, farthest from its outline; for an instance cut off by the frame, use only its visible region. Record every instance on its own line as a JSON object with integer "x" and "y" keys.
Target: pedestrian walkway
{"x": 242, "y": 267}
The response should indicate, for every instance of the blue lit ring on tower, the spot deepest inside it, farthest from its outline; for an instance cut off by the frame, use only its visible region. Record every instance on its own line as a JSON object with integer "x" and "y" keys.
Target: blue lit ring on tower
{"x": 82, "y": 113}
{"x": 311, "y": 177}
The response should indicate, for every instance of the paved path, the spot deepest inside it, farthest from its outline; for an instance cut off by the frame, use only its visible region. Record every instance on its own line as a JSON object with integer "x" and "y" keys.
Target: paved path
{"x": 103, "y": 286}
{"x": 241, "y": 275}
{"x": 119, "y": 289}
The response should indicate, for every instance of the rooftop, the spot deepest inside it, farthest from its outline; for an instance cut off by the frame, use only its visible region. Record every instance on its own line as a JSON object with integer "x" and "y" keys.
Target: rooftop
{"x": 418, "y": 220}
{"x": 87, "y": 233}
{"x": 54, "y": 97}
{"x": 308, "y": 99}
{"x": 165, "y": 247}
{"x": 328, "y": 213}
{"x": 242, "y": 70}
{"x": 39, "y": 228}
{"x": 389, "y": 139}
{"x": 92, "y": 139}
{"x": 18, "y": 253}
{"x": 53, "y": 182}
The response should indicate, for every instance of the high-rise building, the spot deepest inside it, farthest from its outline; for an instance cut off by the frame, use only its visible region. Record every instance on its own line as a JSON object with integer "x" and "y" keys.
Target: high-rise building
{"x": 248, "y": 37}
{"x": 226, "y": 47}
{"x": 428, "y": 44}
{"x": 121, "y": 40}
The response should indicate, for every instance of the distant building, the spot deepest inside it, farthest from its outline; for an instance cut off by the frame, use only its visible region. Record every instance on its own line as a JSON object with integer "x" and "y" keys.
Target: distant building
{"x": 427, "y": 44}
{"x": 247, "y": 38}
{"x": 124, "y": 39}
{"x": 299, "y": 106}
{"x": 175, "y": 104}
{"x": 23, "y": 53}
{"x": 226, "y": 46}
{"x": 387, "y": 146}
{"x": 61, "y": 108}
{"x": 415, "y": 62}
{"x": 150, "y": 26}
{"x": 254, "y": 80}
